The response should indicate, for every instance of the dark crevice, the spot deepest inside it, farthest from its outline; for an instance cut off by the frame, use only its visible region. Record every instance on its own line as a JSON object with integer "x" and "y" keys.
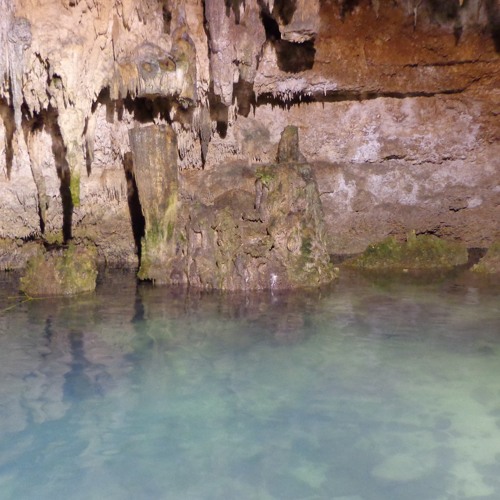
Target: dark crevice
{"x": 219, "y": 113}
{"x": 285, "y": 9}
{"x": 167, "y": 17}
{"x": 295, "y": 57}
{"x": 134, "y": 204}
{"x": 64, "y": 174}
{"x": 394, "y": 157}
{"x": 34, "y": 124}
{"x": 444, "y": 10}
{"x": 243, "y": 92}
{"x": 146, "y": 110}
{"x": 271, "y": 27}
{"x": 347, "y": 6}
{"x": 493, "y": 15}
{"x": 475, "y": 255}
{"x": 291, "y": 57}
{"x": 234, "y": 5}
{"x": 458, "y": 30}
{"x": 329, "y": 97}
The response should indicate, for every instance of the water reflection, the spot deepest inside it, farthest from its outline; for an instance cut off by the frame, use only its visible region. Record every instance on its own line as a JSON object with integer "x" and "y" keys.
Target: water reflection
{"x": 368, "y": 390}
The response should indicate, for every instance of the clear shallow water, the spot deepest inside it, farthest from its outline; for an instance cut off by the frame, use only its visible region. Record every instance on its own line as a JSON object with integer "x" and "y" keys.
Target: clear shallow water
{"x": 371, "y": 390}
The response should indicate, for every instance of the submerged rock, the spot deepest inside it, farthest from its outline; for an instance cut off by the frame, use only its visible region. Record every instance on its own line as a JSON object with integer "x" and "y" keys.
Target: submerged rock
{"x": 403, "y": 467}
{"x": 62, "y": 271}
{"x": 417, "y": 253}
{"x": 490, "y": 263}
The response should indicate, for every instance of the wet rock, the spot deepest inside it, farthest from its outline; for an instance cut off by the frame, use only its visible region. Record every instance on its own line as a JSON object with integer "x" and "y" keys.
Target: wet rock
{"x": 61, "y": 271}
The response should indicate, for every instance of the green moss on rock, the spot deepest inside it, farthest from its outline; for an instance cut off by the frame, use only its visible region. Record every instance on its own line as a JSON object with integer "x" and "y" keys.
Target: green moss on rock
{"x": 74, "y": 188}
{"x": 490, "y": 263}
{"x": 265, "y": 174}
{"x": 65, "y": 271}
{"x": 417, "y": 253}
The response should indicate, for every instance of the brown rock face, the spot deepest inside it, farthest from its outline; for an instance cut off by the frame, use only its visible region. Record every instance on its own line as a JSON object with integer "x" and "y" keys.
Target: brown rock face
{"x": 396, "y": 103}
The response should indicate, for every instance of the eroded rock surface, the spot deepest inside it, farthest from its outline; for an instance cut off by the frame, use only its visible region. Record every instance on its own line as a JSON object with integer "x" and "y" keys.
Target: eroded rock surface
{"x": 396, "y": 103}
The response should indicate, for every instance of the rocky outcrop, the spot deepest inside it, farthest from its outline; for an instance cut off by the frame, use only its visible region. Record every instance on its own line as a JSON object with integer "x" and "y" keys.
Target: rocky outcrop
{"x": 61, "y": 271}
{"x": 264, "y": 234}
{"x": 396, "y": 103}
{"x": 422, "y": 253}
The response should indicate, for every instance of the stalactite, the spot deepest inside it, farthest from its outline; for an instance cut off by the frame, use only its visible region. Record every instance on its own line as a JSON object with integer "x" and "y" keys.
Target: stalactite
{"x": 202, "y": 124}
{"x": 188, "y": 145}
{"x": 6, "y": 7}
{"x": 72, "y": 124}
{"x": 36, "y": 169}
{"x": 90, "y": 129}
{"x": 19, "y": 40}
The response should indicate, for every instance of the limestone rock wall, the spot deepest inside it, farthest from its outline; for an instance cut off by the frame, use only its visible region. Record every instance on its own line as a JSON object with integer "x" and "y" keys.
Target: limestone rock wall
{"x": 396, "y": 102}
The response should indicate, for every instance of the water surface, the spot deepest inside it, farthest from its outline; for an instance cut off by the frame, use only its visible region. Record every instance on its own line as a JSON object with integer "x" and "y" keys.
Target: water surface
{"x": 369, "y": 390}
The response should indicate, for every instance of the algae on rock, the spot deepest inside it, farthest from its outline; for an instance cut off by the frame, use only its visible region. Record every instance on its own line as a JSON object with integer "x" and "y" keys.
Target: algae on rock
{"x": 63, "y": 271}
{"x": 417, "y": 253}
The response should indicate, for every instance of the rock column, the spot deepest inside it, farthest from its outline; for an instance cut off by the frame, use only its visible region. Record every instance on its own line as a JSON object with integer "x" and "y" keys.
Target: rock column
{"x": 154, "y": 152}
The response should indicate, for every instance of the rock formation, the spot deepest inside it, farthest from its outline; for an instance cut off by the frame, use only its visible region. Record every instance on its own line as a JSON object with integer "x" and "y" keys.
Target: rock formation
{"x": 61, "y": 271}
{"x": 396, "y": 101}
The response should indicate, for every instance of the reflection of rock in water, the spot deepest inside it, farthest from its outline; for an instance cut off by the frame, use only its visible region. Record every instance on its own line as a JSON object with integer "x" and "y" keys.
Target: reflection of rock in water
{"x": 279, "y": 317}
{"x": 85, "y": 378}
{"x": 77, "y": 385}
{"x": 290, "y": 328}
{"x": 32, "y": 367}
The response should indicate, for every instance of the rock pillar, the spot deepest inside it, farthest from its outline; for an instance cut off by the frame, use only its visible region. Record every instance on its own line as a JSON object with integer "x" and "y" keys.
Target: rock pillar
{"x": 154, "y": 152}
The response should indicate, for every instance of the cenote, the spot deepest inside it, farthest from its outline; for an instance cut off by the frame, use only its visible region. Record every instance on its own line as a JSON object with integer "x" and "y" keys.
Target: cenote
{"x": 371, "y": 389}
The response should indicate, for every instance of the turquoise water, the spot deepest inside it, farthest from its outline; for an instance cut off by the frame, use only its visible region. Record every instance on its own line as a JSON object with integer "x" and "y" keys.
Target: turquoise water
{"x": 369, "y": 390}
